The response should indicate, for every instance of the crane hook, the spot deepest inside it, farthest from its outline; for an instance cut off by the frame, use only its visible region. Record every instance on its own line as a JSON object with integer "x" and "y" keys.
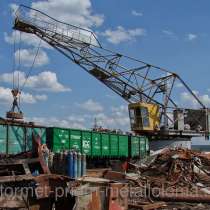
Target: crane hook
{"x": 13, "y": 114}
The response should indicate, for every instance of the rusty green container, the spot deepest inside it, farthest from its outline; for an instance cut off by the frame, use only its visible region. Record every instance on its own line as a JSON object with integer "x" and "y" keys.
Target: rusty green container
{"x": 16, "y": 139}
{"x": 3, "y": 141}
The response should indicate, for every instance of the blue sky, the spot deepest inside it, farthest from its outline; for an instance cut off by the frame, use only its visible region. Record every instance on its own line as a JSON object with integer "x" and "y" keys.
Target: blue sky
{"x": 171, "y": 34}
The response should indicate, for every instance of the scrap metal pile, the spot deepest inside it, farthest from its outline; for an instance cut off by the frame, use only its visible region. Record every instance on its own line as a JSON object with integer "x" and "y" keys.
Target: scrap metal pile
{"x": 178, "y": 175}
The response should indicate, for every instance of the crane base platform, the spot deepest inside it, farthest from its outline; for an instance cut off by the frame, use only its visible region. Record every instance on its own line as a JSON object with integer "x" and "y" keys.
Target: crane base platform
{"x": 14, "y": 115}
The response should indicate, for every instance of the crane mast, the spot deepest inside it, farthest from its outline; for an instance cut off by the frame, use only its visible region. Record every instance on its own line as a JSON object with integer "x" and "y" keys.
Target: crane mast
{"x": 148, "y": 89}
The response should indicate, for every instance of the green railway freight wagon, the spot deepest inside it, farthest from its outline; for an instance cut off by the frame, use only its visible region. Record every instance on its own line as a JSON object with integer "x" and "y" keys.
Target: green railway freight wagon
{"x": 97, "y": 144}
{"x": 16, "y": 138}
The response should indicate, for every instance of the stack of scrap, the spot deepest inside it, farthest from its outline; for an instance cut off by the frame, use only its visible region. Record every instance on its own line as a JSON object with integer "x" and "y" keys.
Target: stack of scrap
{"x": 174, "y": 175}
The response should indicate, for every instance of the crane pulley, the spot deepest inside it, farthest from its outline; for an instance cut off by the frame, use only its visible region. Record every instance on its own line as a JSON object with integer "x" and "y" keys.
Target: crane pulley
{"x": 149, "y": 90}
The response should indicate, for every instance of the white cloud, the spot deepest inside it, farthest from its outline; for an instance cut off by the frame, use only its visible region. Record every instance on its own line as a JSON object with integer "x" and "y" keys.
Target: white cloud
{"x": 6, "y": 97}
{"x": 135, "y": 13}
{"x": 44, "y": 81}
{"x": 121, "y": 34}
{"x": 188, "y": 99}
{"x": 91, "y": 106}
{"x": 169, "y": 34}
{"x": 191, "y": 37}
{"x": 118, "y": 118}
{"x": 13, "y": 8}
{"x": 27, "y": 57}
{"x": 75, "y": 12}
{"x": 68, "y": 122}
{"x": 28, "y": 39}
{"x": 179, "y": 85}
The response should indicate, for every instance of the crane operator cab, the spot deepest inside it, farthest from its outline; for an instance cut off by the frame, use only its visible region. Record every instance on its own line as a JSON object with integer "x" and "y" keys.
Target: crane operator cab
{"x": 144, "y": 117}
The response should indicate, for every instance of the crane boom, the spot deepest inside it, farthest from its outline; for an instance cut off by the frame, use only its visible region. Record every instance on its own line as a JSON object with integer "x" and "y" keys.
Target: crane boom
{"x": 134, "y": 80}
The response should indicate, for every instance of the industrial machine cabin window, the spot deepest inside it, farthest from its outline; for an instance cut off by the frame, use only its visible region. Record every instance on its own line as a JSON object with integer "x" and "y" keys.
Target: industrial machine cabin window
{"x": 132, "y": 117}
{"x": 145, "y": 117}
{"x": 139, "y": 117}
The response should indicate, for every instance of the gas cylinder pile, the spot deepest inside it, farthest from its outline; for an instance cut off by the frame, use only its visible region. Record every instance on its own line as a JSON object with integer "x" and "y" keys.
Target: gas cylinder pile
{"x": 71, "y": 163}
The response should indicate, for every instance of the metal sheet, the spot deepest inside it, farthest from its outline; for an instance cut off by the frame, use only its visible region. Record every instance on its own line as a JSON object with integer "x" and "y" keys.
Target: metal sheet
{"x": 86, "y": 142}
{"x": 105, "y": 144}
{"x": 123, "y": 146}
{"x": 96, "y": 144}
{"x": 114, "y": 145}
{"x": 75, "y": 140}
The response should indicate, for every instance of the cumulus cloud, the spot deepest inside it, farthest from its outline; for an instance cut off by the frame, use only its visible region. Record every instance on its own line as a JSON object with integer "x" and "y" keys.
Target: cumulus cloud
{"x": 28, "y": 39}
{"x": 91, "y": 106}
{"x": 44, "y": 81}
{"x": 68, "y": 122}
{"x": 75, "y": 12}
{"x": 118, "y": 118}
{"x": 135, "y": 13}
{"x": 121, "y": 34}
{"x": 191, "y": 37}
{"x": 188, "y": 99}
{"x": 6, "y": 97}
{"x": 27, "y": 57}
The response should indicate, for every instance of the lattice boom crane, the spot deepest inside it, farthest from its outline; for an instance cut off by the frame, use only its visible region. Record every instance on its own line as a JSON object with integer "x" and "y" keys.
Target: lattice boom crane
{"x": 149, "y": 90}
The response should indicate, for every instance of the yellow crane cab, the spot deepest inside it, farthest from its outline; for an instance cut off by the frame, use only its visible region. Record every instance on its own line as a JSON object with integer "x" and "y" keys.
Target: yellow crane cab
{"x": 144, "y": 116}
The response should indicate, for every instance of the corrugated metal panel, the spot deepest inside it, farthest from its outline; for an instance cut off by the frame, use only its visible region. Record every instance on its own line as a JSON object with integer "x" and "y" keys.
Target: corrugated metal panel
{"x": 61, "y": 138}
{"x": 114, "y": 150}
{"x": 135, "y": 152}
{"x": 41, "y": 132}
{"x": 86, "y": 142}
{"x": 123, "y": 145}
{"x": 96, "y": 144}
{"x": 3, "y": 143}
{"x": 37, "y": 131}
{"x": 16, "y": 140}
{"x": 142, "y": 146}
{"x": 105, "y": 144}
{"x": 29, "y": 132}
{"x": 75, "y": 140}
{"x": 147, "y": 144}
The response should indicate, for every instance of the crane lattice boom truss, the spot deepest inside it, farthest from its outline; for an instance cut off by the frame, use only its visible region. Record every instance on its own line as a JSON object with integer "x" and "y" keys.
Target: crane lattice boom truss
{"x": 132, "y": 79}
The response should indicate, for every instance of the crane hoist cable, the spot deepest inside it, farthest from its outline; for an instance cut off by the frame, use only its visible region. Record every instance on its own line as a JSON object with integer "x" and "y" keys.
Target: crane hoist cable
{"x": 32, "y": 65}
{"x": 12, "y": 114}
{"x": 13, "y": 63}
{"x": 16, "y": 91}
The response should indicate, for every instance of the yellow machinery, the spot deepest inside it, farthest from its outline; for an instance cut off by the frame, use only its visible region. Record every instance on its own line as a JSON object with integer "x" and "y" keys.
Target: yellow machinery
{"x": 144, "y": 116}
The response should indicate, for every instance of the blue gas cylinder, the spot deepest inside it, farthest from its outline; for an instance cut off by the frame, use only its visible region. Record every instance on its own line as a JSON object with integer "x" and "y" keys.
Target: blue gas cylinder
{"x": 79, "y": 165}
{"x": 75, "y": 164}
{"x": 83, "y": 164}
{"x": 69, "y": 164}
